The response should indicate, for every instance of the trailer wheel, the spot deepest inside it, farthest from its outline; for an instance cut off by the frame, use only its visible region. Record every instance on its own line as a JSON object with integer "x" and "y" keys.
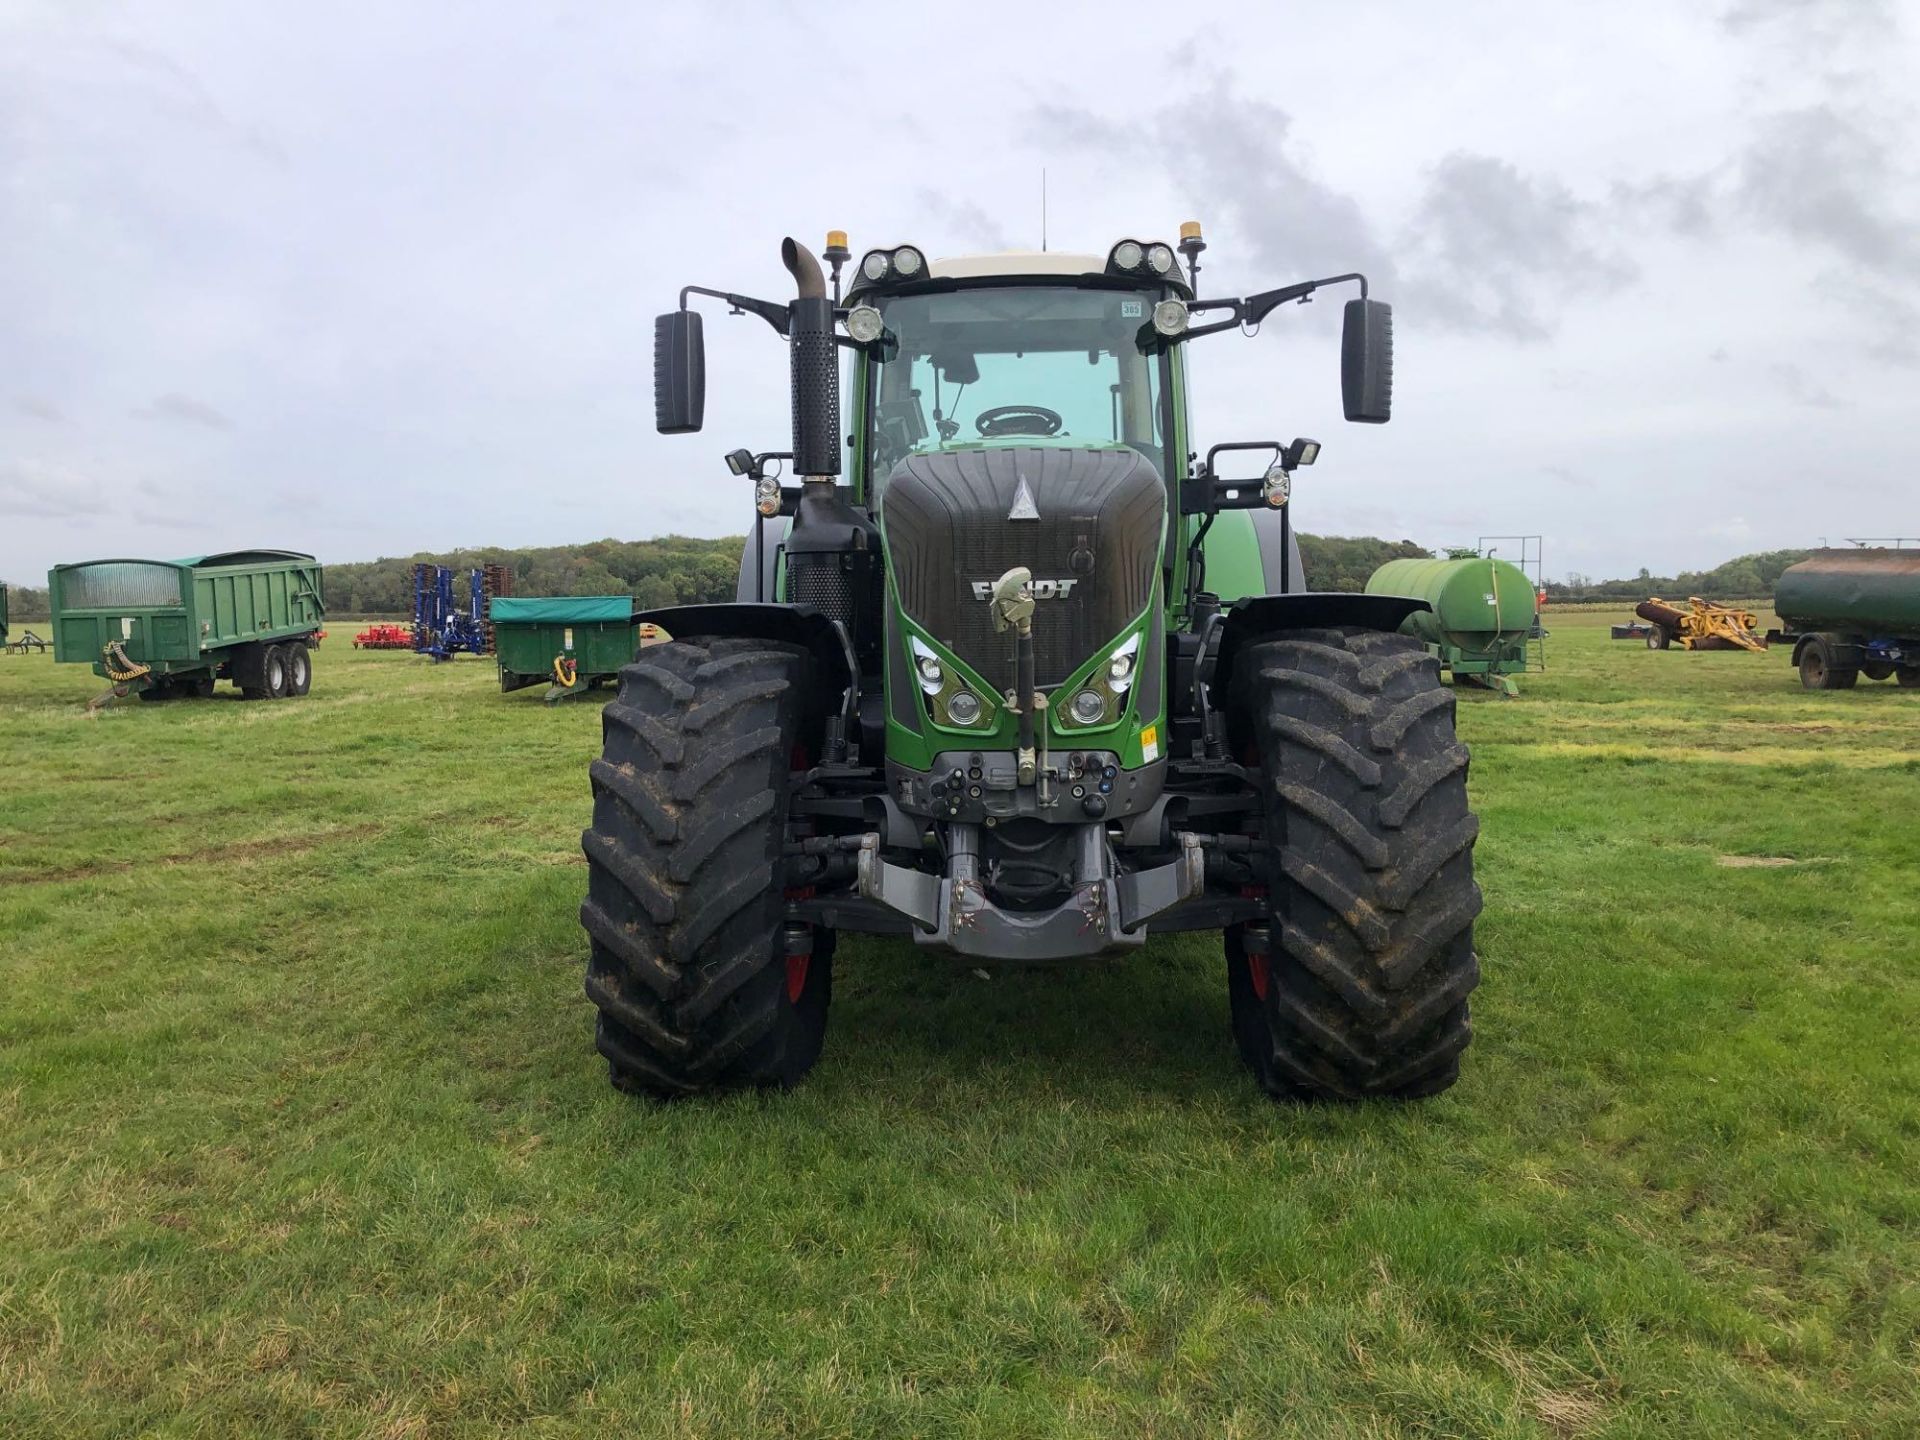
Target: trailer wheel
{"x": 1362, "y": 990}
{"x": 699, "y": 982}
{"x": 1908, "y": 677}
{"x": 274, "y": 669}
{"x": 1877, "y": 671}
{"x": 299, "y": 669}
{"x": 1658, "y": 638}
{"x": 1818, "y": 672}
{"x": 200, "y": 687}
{"x": 160, "y": 690}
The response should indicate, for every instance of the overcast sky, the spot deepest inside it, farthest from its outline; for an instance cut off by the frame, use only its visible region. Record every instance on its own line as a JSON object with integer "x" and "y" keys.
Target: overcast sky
{"x": 351, "y": 279}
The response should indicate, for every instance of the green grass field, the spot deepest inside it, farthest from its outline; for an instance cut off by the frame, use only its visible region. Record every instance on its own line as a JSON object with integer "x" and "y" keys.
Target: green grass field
{"x": 302, "y": 1131}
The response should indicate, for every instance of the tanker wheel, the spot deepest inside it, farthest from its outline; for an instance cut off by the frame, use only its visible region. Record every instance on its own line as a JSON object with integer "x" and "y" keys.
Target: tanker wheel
{"x": 1658, "y": 638}
{"x": 299, "y": 669}
{"x": 700, "y": 984}
{"x": 1877, "y": 671}
{"x": 1360, "y": 987}
{"x": 1908, "y": 677}
{"x": 274, "y": 670}
{"x": 1818, "y": 672}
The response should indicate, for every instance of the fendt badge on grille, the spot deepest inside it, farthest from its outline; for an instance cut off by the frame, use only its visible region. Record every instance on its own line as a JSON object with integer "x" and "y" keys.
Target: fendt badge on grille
{"x": 1042, "y": 589}
{"x": 1023, "y": 506}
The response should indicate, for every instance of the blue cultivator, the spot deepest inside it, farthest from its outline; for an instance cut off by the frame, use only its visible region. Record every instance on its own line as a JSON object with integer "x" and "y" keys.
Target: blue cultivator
{"x": 441, "y": 627}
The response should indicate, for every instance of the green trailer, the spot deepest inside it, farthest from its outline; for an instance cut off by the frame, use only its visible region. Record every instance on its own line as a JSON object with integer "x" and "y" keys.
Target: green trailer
{"x": 1483, "y": 614}
{"x": 169, "y": 629}
{"x": 570, "y": 643}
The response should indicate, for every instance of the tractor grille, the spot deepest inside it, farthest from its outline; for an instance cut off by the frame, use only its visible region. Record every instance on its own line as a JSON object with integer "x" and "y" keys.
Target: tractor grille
{"x": 947, "y": 529}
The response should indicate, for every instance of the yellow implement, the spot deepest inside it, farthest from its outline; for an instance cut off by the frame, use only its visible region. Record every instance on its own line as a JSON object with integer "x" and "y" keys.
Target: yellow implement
{"x": 1702, "y": 626}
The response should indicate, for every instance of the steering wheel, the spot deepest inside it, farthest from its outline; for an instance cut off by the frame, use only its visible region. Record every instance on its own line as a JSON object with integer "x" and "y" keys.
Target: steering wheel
{"x": 1018, "y": 420}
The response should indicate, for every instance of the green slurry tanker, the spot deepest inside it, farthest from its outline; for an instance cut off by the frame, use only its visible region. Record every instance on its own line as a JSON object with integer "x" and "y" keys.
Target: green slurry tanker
{"x": 169, "y": 629}
{"x": 1012, "y": 677}
{"x": 1481, "y": 613}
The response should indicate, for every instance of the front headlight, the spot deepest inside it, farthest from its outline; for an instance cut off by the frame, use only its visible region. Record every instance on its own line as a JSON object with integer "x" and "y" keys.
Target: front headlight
{"x": 1102, "y": 698}
{"x": 1089, "y": 707}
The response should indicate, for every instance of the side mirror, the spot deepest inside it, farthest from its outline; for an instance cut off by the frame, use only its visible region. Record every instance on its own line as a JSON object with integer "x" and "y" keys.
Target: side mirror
{"x": 1366, "y": 361}
{"x": 679, "y": 372}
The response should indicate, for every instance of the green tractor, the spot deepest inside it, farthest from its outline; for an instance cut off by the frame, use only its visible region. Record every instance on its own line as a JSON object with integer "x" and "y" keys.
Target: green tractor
{"x": 1033, "y": 683}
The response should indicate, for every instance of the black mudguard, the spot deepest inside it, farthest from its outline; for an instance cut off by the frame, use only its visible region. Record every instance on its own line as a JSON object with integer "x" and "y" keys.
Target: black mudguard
{"x": 827, "y": 640}
{"x": 1259, "y": 617}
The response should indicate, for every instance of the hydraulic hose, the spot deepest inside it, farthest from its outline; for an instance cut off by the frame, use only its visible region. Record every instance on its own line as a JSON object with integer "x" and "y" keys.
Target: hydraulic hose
{"x": 127, "y": 667}
{"x": 1023, "y": 682}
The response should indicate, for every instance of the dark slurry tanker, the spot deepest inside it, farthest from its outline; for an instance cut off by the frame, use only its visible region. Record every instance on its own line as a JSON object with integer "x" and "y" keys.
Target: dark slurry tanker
{"x": 1849, "y": 613}
{"x": 1013, "y": 674}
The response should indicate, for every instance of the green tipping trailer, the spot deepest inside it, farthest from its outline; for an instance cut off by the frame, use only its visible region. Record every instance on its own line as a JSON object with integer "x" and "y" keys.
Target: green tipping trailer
{"x": 1483, "y": 613}
{"x": 1851, "y": 612}
{"x": 166, "y": 629}
{"x": 568, "y": 642}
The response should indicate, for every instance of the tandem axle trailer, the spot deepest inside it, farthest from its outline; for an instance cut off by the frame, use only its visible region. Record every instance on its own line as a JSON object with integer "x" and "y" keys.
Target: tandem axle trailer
{"x": 170, "y": 629}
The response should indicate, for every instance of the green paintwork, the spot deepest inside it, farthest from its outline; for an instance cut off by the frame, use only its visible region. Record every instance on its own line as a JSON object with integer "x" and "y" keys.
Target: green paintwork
{"x": 1872, "y": 591}
{"x": 1483, "y": 608}
{"x": 597, "y": 632}
{"x": 183, "y": 616}
{"x": 1235, "y": 569}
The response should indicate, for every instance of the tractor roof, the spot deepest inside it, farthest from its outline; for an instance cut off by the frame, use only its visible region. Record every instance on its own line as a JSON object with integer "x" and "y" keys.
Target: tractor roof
{"x": 1015, "y": 262}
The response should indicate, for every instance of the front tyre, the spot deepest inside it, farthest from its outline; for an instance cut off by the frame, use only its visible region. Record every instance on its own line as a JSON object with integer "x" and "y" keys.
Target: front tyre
{"x": 1359, "y": 986}
{"x": 699, "y": 983}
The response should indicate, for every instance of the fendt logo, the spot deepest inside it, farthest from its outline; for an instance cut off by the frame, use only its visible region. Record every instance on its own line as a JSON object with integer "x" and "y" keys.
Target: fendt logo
{"x": 1042, "y": 589}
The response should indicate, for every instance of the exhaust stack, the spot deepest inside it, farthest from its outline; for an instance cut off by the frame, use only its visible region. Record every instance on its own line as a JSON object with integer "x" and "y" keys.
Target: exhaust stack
{"x": 816, "y": 369}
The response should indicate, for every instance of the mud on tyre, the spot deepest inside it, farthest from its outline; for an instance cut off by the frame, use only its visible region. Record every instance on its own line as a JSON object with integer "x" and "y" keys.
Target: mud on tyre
{"x": 697, "y": 982}
{"x": 1359, "y": 986}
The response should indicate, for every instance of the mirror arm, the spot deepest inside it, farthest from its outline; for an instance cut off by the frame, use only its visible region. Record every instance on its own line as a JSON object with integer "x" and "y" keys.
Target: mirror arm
{"x": 774, "y": 315}
{"x": 1255, "y": 308}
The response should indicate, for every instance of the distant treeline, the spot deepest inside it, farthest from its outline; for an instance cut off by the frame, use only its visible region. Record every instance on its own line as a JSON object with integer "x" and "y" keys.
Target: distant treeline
{"x": 1344, "y": 562}
{"x": 672, "y": 570}
{"x": 1748, "y": 577}
{"x": 24, "y": 602}
{"x": 681, "y": 570}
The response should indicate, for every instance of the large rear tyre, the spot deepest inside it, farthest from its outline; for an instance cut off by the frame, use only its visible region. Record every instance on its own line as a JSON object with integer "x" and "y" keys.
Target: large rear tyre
{"x": 1359, "y": 986}
{"x": 299, "y": 669}
{"x": 699, "y": 983}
